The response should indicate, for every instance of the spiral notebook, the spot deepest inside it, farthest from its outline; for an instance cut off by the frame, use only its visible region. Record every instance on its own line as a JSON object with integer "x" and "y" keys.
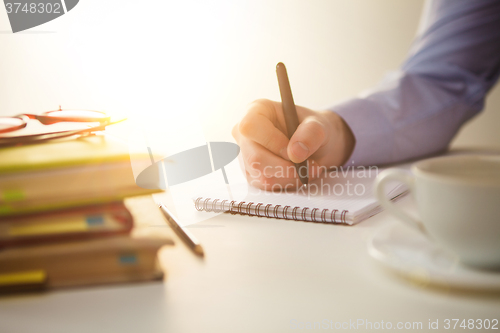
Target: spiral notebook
{"x": 345, "y": 197}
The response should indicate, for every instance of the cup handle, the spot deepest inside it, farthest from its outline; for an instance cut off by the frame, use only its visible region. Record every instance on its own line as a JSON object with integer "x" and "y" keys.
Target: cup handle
{"x": 405, "y": 178}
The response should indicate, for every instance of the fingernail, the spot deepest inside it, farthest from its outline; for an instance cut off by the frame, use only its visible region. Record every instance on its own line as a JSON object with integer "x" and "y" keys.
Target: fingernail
{"x": 300, "y": 150}
{"x": 284, "y": 154}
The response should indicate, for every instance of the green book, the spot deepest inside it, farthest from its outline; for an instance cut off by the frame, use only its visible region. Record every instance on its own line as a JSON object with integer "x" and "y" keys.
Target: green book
{"x": 65, "y": 173}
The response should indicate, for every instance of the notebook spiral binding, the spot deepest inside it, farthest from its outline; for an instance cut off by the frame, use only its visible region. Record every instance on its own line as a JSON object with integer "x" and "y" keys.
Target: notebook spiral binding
{"x": 256, "y": 209}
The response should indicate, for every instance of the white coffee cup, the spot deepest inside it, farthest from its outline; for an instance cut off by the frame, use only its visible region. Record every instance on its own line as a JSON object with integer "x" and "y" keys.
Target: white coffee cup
{"x": 458, "y": 200}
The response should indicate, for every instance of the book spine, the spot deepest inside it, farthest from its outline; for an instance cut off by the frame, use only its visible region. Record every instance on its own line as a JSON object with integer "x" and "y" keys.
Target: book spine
{"x": 260, "y": 209}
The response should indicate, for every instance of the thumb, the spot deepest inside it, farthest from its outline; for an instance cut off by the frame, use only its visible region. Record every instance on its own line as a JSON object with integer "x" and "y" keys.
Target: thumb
{"x": 307, "y": 139}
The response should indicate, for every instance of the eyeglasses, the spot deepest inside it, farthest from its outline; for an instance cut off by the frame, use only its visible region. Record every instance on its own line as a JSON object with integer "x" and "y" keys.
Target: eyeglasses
{"x": 11, "y": 124}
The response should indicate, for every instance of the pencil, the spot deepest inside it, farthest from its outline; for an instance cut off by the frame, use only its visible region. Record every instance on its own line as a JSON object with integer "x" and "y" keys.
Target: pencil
{"x": 185, "y": 235}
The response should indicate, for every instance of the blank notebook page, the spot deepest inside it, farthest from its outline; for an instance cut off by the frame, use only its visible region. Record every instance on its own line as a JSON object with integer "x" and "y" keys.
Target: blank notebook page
{"x": 339, "y": 197}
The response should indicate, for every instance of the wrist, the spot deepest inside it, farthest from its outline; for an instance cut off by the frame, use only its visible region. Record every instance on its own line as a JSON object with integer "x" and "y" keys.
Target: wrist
{"x": 342, "y": 140}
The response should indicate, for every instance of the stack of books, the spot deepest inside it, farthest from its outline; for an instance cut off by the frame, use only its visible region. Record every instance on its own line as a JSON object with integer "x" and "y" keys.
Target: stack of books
{"x": 63, "y": 221}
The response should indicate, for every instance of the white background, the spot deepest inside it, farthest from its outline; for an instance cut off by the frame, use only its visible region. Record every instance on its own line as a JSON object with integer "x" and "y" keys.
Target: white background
{"x": 175, "y": 61}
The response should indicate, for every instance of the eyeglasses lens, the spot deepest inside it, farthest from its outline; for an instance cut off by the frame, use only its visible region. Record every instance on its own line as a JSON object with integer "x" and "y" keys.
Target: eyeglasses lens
{"x": 7, "y": 123}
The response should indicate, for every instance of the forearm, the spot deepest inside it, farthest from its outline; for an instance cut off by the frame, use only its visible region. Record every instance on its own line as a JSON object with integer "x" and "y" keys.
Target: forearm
{"x": 417, "y": 110}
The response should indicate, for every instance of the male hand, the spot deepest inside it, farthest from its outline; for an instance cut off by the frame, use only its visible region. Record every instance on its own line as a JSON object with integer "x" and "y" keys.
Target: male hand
{"x": 267, "y": 155}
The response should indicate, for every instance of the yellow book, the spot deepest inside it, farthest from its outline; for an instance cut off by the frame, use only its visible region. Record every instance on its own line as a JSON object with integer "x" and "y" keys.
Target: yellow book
{"x": 64, "y": 173}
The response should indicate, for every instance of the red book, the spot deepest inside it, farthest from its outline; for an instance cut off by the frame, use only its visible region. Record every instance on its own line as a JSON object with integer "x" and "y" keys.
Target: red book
{"x": 65, "y": 225}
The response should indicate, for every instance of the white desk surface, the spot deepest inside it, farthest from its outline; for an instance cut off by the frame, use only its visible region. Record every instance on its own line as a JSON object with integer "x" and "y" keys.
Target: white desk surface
{"x": 258, "y": 275}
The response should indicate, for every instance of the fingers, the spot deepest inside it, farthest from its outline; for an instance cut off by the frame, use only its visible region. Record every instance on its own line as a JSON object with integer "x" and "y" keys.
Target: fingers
{"x": 307, "y": 139}
{"x": 264, "y": 169}
{"x": 259, "y": 126}
{"x": 260, "y": 162}
{"x": 267, "y": 171}
{"x": 268, "y": 156}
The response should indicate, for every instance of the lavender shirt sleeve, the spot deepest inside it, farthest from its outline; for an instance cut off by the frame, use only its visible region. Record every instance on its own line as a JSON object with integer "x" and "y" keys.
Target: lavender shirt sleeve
{"x": 415, "y": 111}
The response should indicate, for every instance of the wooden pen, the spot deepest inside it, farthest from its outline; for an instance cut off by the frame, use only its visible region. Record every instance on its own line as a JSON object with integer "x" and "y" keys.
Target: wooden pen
{"x": 290, "y": 114}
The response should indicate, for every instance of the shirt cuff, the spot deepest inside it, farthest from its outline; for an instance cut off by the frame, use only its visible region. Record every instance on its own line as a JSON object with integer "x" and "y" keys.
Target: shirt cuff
{"x": 371, "y": 129}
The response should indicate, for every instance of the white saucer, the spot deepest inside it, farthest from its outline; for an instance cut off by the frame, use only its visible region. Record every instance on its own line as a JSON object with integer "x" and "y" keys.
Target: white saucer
{"x": 414, "y": 256}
